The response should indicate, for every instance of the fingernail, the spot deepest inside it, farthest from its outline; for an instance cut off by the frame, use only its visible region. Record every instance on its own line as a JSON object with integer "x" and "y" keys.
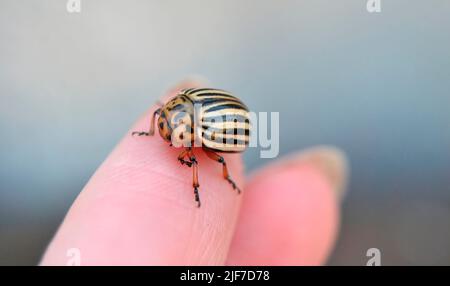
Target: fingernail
{"x": 332, "y": 162}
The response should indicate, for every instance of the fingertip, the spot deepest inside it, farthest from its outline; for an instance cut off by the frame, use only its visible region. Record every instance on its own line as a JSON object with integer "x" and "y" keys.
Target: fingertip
{"x": 139, "y": 208}
{"x": 331, "y": 162}
{"x": 290, "y": 212}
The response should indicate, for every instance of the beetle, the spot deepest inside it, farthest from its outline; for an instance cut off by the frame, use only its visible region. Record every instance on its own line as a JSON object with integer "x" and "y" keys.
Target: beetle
{"x": 212, "y": 119}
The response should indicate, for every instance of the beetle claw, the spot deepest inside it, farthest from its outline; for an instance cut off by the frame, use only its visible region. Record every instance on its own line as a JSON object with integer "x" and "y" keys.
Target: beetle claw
{"x": 233, "y": 184}
{"x": 197, "y": 197}
{"x": 138, "y": 133}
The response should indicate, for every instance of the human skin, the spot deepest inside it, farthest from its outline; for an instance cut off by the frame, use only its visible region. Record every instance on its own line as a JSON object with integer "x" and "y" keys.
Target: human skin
{"x": 138, "y": 208}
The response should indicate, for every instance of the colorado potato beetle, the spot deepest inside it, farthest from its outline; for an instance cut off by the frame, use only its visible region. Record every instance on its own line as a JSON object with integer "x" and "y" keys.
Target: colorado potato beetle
{"x": 212, "y": 119}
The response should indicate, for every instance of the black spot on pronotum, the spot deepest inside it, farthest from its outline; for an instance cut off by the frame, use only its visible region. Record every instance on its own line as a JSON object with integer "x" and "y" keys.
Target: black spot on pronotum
{"x": 181, "y": 136}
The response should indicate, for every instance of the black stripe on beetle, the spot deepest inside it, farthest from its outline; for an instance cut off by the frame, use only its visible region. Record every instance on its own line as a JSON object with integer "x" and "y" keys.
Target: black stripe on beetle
{"x": 224, "y": 127}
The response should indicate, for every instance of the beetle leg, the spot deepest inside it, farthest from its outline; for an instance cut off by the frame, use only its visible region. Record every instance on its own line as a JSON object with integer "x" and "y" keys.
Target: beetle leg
{"x": 151, "y": 131}
{"x": 195, "y": 183}
{"x": 226, "y": 174}
{"x": 182, "y": 156}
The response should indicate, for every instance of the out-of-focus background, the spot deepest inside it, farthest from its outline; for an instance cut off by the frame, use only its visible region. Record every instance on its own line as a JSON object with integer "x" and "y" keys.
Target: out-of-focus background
{"x": 376, "y": 85}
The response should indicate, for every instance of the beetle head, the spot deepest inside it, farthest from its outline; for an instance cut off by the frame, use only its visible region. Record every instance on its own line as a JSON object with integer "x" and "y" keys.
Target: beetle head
{"x": 164, "y": 127}
{"x": 176, "y": 127}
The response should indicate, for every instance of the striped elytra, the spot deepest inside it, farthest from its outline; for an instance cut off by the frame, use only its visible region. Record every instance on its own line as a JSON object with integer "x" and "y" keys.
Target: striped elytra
{"x": 212, "y": 119}
{"x": 224, "y": 119}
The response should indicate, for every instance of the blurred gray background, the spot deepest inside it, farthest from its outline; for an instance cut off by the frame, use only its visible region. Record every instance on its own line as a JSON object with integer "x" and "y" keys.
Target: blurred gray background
{"x": 376, "y": 85}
